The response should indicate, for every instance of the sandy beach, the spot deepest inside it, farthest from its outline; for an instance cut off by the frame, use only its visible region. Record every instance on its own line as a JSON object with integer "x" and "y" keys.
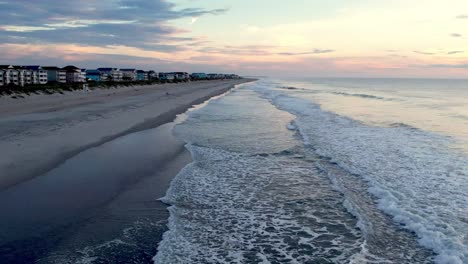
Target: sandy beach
{"x": 41, "y": 131}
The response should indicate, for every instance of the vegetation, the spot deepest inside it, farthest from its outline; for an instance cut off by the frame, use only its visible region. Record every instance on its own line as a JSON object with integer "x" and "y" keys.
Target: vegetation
{"x": 15, "y": 91}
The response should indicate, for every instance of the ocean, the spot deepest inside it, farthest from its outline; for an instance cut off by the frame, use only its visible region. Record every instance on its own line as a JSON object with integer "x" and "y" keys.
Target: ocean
{"x": 323, "y": 171}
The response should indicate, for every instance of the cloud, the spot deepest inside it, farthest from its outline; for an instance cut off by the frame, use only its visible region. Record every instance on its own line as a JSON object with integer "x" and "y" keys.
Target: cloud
{"x": 246, "y": 50}
{"x": 456, "y": 66}
{"x": 257, "y": 50}
{"x": 137, "y": 23}
{"x": 315, "y": 51}
{"x": 423, "y": 52}
{"x": 456, "y": 35}
{"x": 440, "y": 53}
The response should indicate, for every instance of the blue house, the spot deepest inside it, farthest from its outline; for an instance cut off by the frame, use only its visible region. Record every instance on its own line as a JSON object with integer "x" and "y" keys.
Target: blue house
{"x": 141, "y": 75}
{"x": 198, "y": 76}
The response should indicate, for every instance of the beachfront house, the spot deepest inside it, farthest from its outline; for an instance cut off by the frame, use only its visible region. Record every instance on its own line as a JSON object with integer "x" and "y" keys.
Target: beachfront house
{"x": 142, "y": 75}
{"x": 83, "y": 75}
{"x": 198, "y": 76}
{"x": 152, "y": 75}
{"x": 93, "y": 75}
{"x": 181, "y": 76}
{"x": 55, "y": 74}
{"x": 13, "y": 75}
{"x": 2, "y": 73}
{"x": 212, "y": 76}
{"x": 73, "y": 74}
{"x": 129, "y": 74}
{"x": 166, "y": 76}
{"x": 38, "y": 74}
{"x": 111, "y": 74}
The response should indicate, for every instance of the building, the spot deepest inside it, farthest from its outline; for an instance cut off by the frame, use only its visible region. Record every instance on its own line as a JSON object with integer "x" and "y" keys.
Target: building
{"x": 2, "y": 73}
{"x": 181, "y": 76}
{"x": 166, "y": 76}
{"x": 111, "y": 74}
{"x": 73, "y": 74}
{"x": 129, "y": 74}
{"x": 93, "y": 75}
{"x": 198, "y": 76}
{"x": 152, "y": 75}
{"x": 55, "y": 74}
{"x": 39, "y": 75}
{"x": 142, "y": 75}
{"x": 212, "y": 76}
{"x": 22, "y": 75}
{"x": 83, "y": 75}
{"x": 13, "y": 75}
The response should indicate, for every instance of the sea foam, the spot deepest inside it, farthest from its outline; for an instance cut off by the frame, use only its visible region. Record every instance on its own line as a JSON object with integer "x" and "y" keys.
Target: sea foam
{"x": 414, "y": 174}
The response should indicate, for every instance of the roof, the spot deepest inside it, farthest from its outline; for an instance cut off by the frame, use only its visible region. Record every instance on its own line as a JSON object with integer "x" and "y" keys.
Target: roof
{"x": 51, "y": 68}
{"x": 93, "y": 72}
{"x": 71, "y": 68}
{"x": 106, "y": 69}
{"x": 33, "y": 67}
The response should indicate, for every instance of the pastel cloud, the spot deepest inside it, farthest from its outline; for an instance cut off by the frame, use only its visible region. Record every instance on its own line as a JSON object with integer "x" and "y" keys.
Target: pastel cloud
{"x": 138, "y": 23}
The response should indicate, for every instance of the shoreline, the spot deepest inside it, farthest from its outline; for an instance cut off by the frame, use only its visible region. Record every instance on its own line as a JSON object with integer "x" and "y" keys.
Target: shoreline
{"x": 103, "y": 200}
{"x": 40, "y": 141}
{"x": 97, "y": 202}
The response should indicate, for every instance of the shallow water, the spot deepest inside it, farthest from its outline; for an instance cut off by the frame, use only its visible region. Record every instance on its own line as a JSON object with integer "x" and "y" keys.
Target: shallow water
{"x": 278, "y": 179}
{"x": 413, "y": 161}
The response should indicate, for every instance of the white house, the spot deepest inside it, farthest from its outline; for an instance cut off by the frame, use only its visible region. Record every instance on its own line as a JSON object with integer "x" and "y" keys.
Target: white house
{"x": 73, "y": 74}
{"x": 13, "y": 75}
{"x": 129, "y": 74}
{"x": 111, "y": 74}
{"x": 37, "y": 73}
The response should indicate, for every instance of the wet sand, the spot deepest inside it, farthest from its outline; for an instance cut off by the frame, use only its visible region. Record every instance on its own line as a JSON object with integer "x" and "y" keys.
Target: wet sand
{"x": 102, "y": 200}
{"x": 40, "y": 132}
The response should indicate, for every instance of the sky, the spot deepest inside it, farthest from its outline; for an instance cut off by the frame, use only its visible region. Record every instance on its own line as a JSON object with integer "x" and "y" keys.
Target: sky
{"x": 294, "y": 38}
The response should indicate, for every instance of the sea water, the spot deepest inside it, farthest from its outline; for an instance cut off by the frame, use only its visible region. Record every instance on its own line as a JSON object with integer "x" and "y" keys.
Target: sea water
{"x": 324, "y": 171}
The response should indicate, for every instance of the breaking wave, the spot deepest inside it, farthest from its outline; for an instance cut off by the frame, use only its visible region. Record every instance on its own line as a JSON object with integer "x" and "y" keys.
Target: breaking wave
{"x": 417, "y": 179}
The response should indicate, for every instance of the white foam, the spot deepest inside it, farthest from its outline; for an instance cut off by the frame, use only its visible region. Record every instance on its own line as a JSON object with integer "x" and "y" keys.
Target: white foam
{"x": 417, "y": 178}
{"x": 237, "y": 208}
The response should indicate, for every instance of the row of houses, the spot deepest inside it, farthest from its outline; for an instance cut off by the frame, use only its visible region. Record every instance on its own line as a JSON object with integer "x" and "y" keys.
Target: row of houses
{"x": 30, "y": 75}
{"x": 34, "y": 75}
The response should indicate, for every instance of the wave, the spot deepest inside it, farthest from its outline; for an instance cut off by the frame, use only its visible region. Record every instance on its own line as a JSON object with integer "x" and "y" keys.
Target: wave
{"x": 229, "y": 207}
{"x": 290, "y": 88}
{"x": 412, "y": 173}
{"x": 367, "y": 96}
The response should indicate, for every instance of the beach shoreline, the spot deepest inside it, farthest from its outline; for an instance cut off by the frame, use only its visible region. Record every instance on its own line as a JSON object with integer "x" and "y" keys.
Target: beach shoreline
{"x": 100, "y": 198}
{"x": 42, "y": 131}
